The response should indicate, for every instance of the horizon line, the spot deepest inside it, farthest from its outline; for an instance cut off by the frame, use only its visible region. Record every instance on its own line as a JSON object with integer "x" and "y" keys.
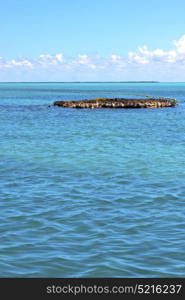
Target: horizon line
{"x": 129, "y": 81}
{"x": 77, "y": 81}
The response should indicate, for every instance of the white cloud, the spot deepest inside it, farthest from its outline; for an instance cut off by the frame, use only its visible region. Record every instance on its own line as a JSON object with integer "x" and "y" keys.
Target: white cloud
{"x": 113, "y": 66}
{"x": 84, "y": 60}
{"x": 59, "y": 57}
{"x": 180, "y": 45}
{"x": 146, "y": 56}
{"x": 19, "y": 63}
{"x": 137, "y": 58}
{"x": 47, "y": 59}
{"x": 117, "y": 60}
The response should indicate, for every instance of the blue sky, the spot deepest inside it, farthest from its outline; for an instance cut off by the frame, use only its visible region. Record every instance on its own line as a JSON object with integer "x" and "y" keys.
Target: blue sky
{"x": 92, "y": 40}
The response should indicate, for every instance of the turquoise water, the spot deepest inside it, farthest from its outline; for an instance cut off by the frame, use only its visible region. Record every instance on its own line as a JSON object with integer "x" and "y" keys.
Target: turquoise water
{"x": 91, "y": 193}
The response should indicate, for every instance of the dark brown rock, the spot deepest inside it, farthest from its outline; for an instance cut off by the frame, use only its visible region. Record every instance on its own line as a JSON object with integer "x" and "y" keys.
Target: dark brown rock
{"x": 117, "y": 103}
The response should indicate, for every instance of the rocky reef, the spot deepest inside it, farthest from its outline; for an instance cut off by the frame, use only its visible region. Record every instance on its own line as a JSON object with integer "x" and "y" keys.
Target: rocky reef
{"x": 118, "y": 103}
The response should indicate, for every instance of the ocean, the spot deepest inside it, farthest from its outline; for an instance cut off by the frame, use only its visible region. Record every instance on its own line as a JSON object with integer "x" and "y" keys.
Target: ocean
{"x": 91, "y": 193}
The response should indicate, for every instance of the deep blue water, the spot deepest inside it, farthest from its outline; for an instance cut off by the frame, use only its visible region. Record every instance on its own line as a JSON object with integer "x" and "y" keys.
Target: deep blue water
{"x": 91, "y": 193}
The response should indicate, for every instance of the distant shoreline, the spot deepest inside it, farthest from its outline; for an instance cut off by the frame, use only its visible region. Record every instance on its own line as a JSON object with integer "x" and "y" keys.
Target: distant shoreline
{"x": 80, "y": 82}
{"x": 127, "y": 82}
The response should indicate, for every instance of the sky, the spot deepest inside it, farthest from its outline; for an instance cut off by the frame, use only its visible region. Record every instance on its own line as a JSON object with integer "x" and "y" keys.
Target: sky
{"x": 85, "y": 40}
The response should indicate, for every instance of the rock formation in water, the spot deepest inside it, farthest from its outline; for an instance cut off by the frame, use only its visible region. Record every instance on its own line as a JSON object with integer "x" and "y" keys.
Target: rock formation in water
{"x": 117, "y": 103}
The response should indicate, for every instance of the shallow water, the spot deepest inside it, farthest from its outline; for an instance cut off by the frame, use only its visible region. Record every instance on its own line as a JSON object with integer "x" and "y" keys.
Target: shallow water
{"x": 91, "y": 193}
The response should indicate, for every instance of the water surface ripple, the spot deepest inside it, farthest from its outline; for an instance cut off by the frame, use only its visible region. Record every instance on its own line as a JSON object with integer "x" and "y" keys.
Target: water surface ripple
{"x": 91, "y": 193}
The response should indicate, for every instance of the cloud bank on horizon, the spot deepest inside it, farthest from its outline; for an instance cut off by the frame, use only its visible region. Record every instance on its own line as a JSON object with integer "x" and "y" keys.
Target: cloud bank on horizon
{"x": 143, "y": 64}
